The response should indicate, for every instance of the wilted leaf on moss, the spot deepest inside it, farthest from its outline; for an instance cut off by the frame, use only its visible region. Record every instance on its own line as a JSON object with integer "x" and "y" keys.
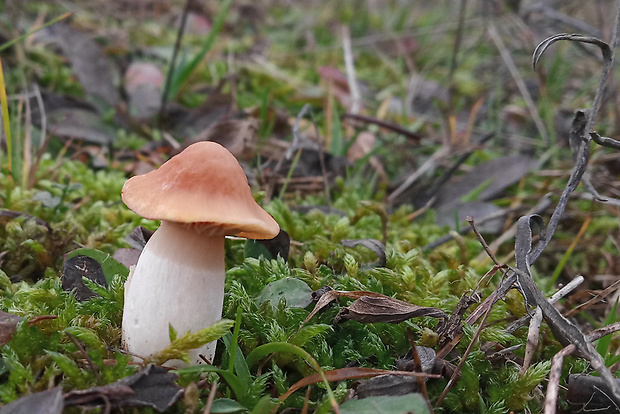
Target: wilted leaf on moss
{"x": 377, "y": 309}
{"x": 75, "y": 269}
{"x": 108, "y": 264}
{"x": 45, "y": 402}
{"x": 373, "y": 307}
{"x": 8, "y": 325}
{"x": 152, "y": 387}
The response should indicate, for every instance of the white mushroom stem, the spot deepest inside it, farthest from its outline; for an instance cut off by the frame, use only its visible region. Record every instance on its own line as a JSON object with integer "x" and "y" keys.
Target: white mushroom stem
{"x": 179, "y": 280}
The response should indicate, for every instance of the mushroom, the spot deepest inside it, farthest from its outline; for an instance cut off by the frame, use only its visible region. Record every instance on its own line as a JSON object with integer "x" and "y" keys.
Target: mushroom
{"x": 200, "y": 195}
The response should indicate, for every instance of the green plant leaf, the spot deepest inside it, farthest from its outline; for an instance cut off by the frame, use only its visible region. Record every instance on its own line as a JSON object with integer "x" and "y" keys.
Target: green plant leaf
{"x": 264, "y": 350}
{"x": 256, "y": 249}
{"x": 6, "y": 122}
{"x": 240, "y": 366}
{"x": 603, "y": 344}
{"x": 237, "y": 387}
{"x": 179, "y": 346}
{"x": 181, "y": 73}
{"x": 227, "y": 406}
{"x": 296, "y": 292}
{"x": 402, "y": 404}
{"x": 337, "y": 147}
{"x": 265, "y": 405}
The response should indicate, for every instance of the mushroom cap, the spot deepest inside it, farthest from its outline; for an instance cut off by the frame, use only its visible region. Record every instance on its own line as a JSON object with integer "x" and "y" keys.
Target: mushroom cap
{"x": 205, "y": 187}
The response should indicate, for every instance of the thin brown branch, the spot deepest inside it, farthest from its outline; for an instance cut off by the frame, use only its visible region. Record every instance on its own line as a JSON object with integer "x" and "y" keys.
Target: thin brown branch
{"x": 596, "y": 299}
{"x": 418, "y": 366}
{"x": 483, "y": 242}
{"x": 413, "y": 136}
{"x": 459, "y": 367}
{"x": 92, "y": 365}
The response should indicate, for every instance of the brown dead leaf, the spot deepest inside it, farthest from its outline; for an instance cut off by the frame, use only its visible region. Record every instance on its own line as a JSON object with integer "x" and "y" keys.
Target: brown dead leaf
{"x": 349, "y": 373}
{"x": 327, "y": 295}
{"x": 8, "y": 324}
{"x": 372, "y": 307}
{"x": 44, "y": 402}
{"x": 363, "y": 144}
{"x": 152, "y": 387}
{"x": 385, "y": 385}
{"x": 81, "y": 124}
{"x": 384, "y": 309}
{"x": 89, "y": 63}
{"x": 185, "y": 124}
{"x": 338, "y": 83}
{"x": 138, "y": 237}
{"x": 143, "y": 83}
{"x": 238, "y": 136}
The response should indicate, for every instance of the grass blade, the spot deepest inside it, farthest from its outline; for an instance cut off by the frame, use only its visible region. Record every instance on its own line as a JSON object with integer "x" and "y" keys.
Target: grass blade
{"x": 182, "y": 72}
{"x": 10, "y": 43}
{"x": 274, "y": 347}
{"x": 6, "y": 121}
{"x": 237, "y": 387}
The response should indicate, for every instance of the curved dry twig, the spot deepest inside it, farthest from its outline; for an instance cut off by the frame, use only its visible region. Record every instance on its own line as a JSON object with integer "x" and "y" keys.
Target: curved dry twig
{"x": 573, "y": 37}
{"x": 605, "y": 141}
{"x": 563, "y": 330}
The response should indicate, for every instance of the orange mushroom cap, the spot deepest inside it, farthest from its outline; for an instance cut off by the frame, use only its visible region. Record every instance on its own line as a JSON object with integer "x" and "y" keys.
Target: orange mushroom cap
{"x": 205, "y": 187}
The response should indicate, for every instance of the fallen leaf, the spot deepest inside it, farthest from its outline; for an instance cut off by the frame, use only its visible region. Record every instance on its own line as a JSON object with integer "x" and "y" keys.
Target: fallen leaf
{"x": 239, "y": 136}
{"x": 8, "y": 324}
{"x": 338, "y": 82}
{"x": 423, "y": 94}
{"x": 278, "y": 246}
{"x": 372, "y": 244}
{"x": 81, "y": 124}
{"x": 386, "y": 385}
{"x": 490, "y": 178}
{"x": 453, "y": 215}
{"x": 384, "y": 309}
{"x": 138, "y": 237}
{"x": 143, "y": 84}
{"x": 152, "y": 387}
{"x": 10, "y": 215}
{"x": 75, "y": 269}
{"x": 364, "y": 143}
{"x": 89, "y": 64}
{"x": 127, "y": 256}
{"x": 326, "y": 295}
{"x": 197, "y": 25}
{"x": 44, "y": 402}
{"x": 587, "y": 394}
{"x": 189, "y": 123}
{"x": 109, "y": 266}
{"x": 427, "y": 356}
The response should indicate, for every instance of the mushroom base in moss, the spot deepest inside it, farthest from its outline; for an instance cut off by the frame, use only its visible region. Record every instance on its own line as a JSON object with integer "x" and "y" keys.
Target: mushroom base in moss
{"x": 179, "y": 280}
